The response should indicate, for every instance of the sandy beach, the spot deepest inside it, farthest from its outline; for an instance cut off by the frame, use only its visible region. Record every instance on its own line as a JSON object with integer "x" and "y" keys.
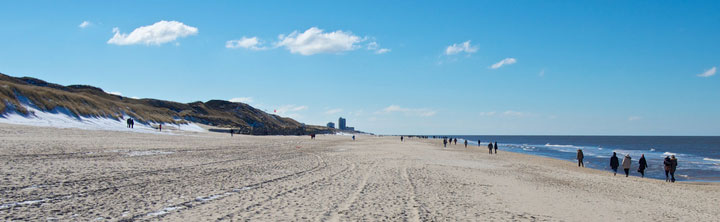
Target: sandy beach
{"x": 79, "y": 175}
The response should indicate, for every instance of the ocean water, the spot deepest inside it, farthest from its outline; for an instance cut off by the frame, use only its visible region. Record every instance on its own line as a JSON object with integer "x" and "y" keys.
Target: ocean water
{"x": 698, "y": 156}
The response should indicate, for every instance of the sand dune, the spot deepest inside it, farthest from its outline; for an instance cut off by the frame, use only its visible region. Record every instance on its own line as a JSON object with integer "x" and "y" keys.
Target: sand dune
{"x": 71, "y": 174}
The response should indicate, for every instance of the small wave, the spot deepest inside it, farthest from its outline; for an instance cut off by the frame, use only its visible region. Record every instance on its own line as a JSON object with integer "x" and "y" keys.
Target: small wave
{"x": 710, "y": 159}
{"x": 553, "y": 145}
{"x": 668, "y": 154}
{"x": 652, "y": 149}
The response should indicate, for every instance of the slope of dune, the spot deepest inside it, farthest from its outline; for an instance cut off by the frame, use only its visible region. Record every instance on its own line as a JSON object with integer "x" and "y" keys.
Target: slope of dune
{"x": 28, "y": 96}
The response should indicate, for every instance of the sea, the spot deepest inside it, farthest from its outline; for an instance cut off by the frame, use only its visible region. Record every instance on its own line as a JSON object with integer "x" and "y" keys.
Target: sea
{"x": 698, "y": 156}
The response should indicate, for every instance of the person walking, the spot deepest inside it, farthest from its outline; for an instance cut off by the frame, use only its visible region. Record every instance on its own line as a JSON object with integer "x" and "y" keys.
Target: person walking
{"x": 626, "y": 164}
{"x": 642, "y": 165}
{"x": 580, "y": 158}
{"x": 353, "y": 137}
{"x": 444, "y": 142}
{"x": 465, "y": 143}
{"x": 128, "y": 122}
{"x": 667, "y": 163}
{"x": 479, "y": 143}
{"x": 455, "y": 140}
{"x": 673, "y": 167}
{"x": 160, "y": 127}
{"x": 401, "y": 138}
{"x": 496, "y": 147}
{"x": 614, "y": 163}
{"x": 490, "y": 147}
{"x": 231, "y": 132}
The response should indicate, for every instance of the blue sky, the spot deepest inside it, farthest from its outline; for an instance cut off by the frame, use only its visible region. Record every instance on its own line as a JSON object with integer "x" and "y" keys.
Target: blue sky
{"x": 421, "y": 67}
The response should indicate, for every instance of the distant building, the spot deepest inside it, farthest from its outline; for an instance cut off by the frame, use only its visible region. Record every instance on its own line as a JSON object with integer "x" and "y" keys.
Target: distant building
{"x": 331, "y": 125}
{"x": 350, "y": 128}
{"x": 341, "y": 123}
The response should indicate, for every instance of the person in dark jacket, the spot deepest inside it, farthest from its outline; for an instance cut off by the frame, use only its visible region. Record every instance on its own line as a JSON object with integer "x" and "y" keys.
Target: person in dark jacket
{"x": 496, "y": 147}
{"x": 465, "y": 143}
{"x": 614, "y": 163}
{"x": 479, "y": 143}
{"x": 455, "y": 140}
{"x": 444, "y": 142}
{"x": 642, "y": 165}
{"x": 667, "y": 163}
{"x": 673, "y": 167}
{"x": 580, "y": 158}
{"x": 490, "y": 147}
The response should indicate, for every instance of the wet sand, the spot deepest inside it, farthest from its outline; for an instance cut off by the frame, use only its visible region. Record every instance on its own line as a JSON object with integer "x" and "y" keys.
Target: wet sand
{"x": 78, "y": 175}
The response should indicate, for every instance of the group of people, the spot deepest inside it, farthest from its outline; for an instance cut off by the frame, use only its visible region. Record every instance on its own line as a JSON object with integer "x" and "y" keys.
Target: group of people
{"x": 449, "y": 140}
{"x": 491, "y": 146}
{"x": 670, "y": 163}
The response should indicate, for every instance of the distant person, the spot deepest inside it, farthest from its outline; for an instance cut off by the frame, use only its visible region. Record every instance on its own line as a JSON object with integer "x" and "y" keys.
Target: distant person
{"x": 626, "y": 164}
{"x": 490, "y": 147}
{"x": 353, "y": 137}
{"x": 614, "y": 163}
{"x": 465, "y": 143}
{"x": 496, "y": 147}
{"x": 160, "y": 127}
{"x": 580, "y": 158}
{"x": 673, "y": 167}
{"x": 479, "y": 143}
{"x": 667, "y": 164}
{"x": 401, "y": 138}
{"x": 444, "y": 142}
{"x": 455, "y": 140}
{"x": 128, "y": 122}
{"x": 231, "y": 132}
{"x": 132, "y": 123}
{"x": 642, "y": 165}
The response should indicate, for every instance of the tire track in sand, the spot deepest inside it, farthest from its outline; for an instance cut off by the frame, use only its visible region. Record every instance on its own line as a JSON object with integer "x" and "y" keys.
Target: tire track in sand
{"x": 412, "y": 203}
{"x": 334, "y": 215}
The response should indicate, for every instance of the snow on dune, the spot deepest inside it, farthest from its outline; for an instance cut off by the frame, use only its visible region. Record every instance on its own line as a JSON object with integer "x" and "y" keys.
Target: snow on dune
{"x": 62, "y": 118}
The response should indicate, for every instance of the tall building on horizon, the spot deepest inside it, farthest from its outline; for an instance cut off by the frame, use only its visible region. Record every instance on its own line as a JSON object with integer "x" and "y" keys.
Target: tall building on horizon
{"x": 341, "y": 123}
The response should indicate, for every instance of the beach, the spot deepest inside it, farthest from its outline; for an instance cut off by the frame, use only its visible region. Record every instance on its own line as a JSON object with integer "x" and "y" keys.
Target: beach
{"x": 83, "y": 175}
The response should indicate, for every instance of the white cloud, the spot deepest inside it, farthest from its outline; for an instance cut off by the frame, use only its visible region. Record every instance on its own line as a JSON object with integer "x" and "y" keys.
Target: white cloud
{"x": 84, "y": 24}
{"x": 314, "y": 41}
{"x": 156, "y": 34}
{"x": 633, "y": 118}
{"x": 508, "y": 113}
{"x": 492, "y": 113}
{"x": 408, "y": 111}
{"x": 709, "y": 72}
{"x": 375, "y": 47}
{"x": 506, "y": 61}
{"x": 333, "y": 111}
{"x": 245, "y": 42}
{"x": 288, "y": 109}
{"x": 382, "y": 51}
{"x": 242, "y": 100}
{"x": 115, "y": 93}
{"x": 462, "y": 47}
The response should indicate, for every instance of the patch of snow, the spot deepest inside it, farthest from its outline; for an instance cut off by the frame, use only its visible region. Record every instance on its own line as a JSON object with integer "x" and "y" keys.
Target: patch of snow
{"x": 62, "y": 118}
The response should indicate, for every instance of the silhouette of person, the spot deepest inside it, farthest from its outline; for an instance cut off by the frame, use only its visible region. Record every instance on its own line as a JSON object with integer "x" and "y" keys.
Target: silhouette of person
{"x": 627, "y": 161}
{"x": 580, "y": 158}
{"x": 455, "y": 140}
{"x": 465, "y": 143}
{"x": 673, "y": 167}
{"x": 614, "y": 163}
{"x": 490, "y": 147}
{"x": 496, "y": 147}
{"x": 642, "y": 165}
{"x": 401, "y": 138}
{"x": 444, "y": 142}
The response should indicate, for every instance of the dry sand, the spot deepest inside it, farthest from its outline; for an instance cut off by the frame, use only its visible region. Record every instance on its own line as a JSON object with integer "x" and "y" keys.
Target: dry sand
{"x": 71, "y": 174}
